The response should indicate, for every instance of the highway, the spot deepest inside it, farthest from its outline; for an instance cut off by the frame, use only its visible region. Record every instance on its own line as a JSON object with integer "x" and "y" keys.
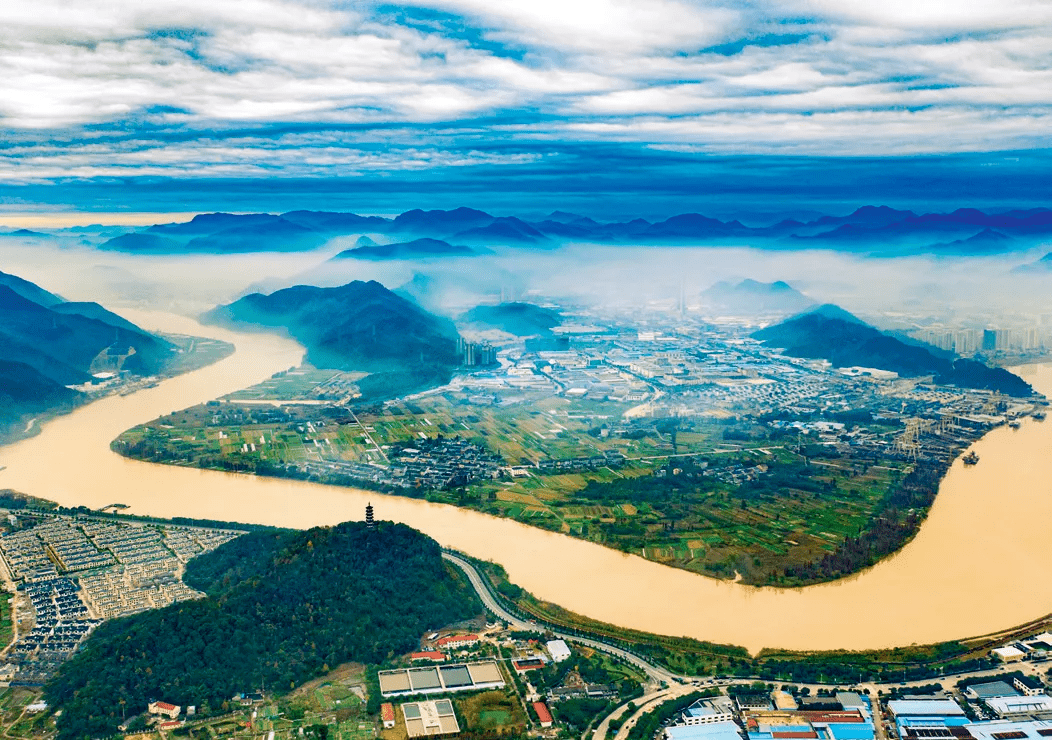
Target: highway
{"x": 655, "y": 674}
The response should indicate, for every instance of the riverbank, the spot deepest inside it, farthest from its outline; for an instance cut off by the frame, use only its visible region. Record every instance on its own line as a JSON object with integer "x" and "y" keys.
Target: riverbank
{"x": 948, "y": 583}
{"x": 852, "y": 511}
{"x": 194, "y": 353}
{"x": 742, "y": 498}
{"x": 685, "y": 657}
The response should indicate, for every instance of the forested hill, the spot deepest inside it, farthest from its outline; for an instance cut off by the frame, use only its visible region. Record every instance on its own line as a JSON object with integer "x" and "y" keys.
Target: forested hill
{"x": 830, "y": 333}
{"x": 282, "y": 608}
{"x": 358, "y": 326}
{"x": 47, "y": 344}
{"x": 520, "y": 319}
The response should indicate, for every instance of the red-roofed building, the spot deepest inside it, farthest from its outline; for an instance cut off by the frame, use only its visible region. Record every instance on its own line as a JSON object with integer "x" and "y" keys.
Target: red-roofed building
{"x": 528, "y": 664}
{"x": 164, "y": 709}
{"x": 825, "y": 717}
{"x": 543, "y": 714}
{"x": 432, "y": 655}
{"x": 170, "y": 725}
{"x": 387, "y": 714}
{"x": 457, "y": 641}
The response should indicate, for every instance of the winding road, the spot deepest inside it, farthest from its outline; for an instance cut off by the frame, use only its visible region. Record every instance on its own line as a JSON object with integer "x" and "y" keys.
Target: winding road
{"x": 656, "y": 674}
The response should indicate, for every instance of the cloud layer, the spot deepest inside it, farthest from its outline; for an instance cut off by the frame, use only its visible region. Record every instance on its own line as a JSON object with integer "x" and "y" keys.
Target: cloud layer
{"x": 309, "y": 88}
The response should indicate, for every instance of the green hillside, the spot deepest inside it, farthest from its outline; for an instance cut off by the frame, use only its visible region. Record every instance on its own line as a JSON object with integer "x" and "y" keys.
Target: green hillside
{"x": 24, "y": 392}
{"x": 830, "y": 333}
{"x": 63, "y": 346}
{"x": 47, "y": 344}
{"x": 283, "y": 607}
{"x": 520, "y": 319}
{"x": 358, "y": 326}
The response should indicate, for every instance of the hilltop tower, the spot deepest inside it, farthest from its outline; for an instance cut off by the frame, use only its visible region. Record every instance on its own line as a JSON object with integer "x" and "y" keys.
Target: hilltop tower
{"x": 369, "y": 516}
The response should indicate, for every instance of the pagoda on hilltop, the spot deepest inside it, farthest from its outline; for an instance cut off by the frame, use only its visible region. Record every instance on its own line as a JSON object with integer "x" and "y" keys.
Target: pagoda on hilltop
{"x": 369, "y": 522}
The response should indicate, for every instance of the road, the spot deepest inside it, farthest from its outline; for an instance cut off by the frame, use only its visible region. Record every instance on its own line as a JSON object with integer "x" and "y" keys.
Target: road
{"x": 604, "y": 726}
{"x": 656, "y": 674}
{"x": 655, "y": 701}
{"x": 665, "y": 685}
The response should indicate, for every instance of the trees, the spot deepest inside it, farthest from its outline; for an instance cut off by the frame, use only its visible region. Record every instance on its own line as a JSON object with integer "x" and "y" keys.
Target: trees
{"x": 281, "y": 606}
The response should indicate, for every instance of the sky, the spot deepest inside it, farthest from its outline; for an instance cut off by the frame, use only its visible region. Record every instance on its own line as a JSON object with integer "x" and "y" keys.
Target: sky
{"x": 641, "y": 107}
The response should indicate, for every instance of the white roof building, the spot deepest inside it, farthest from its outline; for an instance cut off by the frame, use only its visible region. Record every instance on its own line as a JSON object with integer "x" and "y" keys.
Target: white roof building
{"x": 924, "y": 708}
{"x": 709, "y": 731}
{"x": 1000, "y": 728}
{"x": 559, "y": 650}
{"x": 1006, "y": 705}
{"x": 1008, "y": 653}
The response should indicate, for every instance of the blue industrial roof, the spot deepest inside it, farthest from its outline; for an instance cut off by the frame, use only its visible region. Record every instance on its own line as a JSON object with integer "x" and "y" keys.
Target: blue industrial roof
{"x": 932, "y": 721}
{"x": 851, "y": 730}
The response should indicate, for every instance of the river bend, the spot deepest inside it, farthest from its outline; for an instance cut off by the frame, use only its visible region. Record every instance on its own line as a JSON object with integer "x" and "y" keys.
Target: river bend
{"x": 981, "y": 562}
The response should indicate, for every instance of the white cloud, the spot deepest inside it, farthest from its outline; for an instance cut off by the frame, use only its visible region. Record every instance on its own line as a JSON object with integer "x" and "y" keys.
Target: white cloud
{"x": 609, "y": 27}
{"x": 867, "y": 78}
{"x": 956, "y": 15}
{"x": 293, "y": 155}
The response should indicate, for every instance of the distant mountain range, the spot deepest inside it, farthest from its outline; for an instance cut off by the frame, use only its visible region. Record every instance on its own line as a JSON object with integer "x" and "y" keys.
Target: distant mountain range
{"x": 358, "y": 326}
{"x": 222, "y": 233}
{"x": 22, "y": 233}
{"x": 752, "y": 297}
{"x": 870, "y": 229}
{"x": 830, "y": 333}
{"x": 416, "y": 249}
{"x": 47, "y": 343}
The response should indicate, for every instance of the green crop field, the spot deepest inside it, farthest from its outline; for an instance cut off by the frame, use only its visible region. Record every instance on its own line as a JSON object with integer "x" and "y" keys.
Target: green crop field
{"x": 689, "y": 493}
{"x": 6, "y": 614}
{"x": 494, "y": 718}
{"x": 492, "y": 710}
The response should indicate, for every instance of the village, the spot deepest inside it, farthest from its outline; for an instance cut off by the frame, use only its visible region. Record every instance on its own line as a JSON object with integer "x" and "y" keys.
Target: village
{"x": 783, "y": 457}
{"x": 70, "y": 573}
{"x": 501, "y": 680}
{"x": 609, "y": 390}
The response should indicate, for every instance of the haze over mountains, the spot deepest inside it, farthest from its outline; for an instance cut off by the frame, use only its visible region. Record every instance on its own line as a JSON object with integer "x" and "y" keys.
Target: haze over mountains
{"x": 358, "y": 326}
{"x": 753, "y": 297}
{"x": 869, "y": 229}
{"x": 520, "y": 319}
{"x": 47, "y": 343}
{"x": 416, "y": 249}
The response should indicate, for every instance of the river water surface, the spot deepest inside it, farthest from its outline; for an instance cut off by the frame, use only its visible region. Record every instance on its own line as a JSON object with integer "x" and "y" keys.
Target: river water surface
{"x": 981, "y": 562}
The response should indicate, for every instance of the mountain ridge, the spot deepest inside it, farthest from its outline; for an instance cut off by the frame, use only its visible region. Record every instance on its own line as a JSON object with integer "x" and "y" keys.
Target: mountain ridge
{"x": 751, "y": 296}
{"x": 47, "y": 344}
{"x": 357, "y": 326}
{"x": 828, "y": 334}
{"x": 869, "y": 227}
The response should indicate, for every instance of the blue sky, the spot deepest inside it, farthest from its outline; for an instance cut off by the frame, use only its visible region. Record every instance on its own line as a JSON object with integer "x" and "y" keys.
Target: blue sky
{"x": 518, "y": 105}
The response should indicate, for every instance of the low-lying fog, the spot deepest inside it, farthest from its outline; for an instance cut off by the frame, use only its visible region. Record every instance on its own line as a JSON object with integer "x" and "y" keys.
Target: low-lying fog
{"x": 963, "y": 289}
